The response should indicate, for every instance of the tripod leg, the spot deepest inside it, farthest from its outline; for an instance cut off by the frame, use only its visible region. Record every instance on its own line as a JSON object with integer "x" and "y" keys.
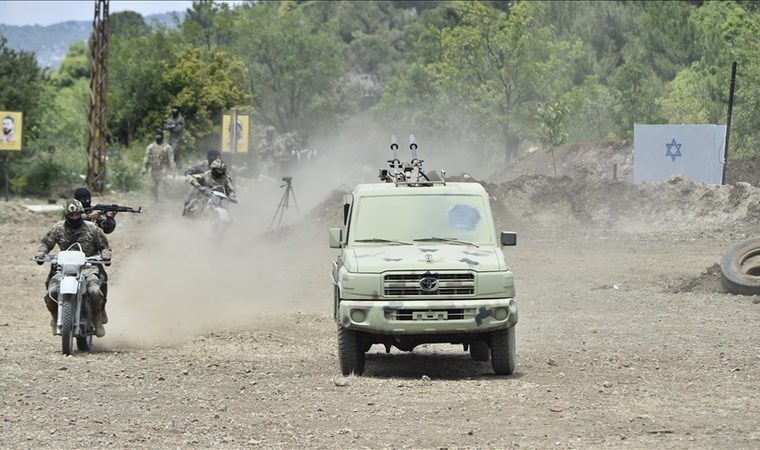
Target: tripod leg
{"x": 280, "y": 210}
{"x": 293, "y": 193}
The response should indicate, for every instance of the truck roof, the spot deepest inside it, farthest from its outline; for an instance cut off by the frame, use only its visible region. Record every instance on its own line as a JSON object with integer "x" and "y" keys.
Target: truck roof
{"x": 386, "y": 189}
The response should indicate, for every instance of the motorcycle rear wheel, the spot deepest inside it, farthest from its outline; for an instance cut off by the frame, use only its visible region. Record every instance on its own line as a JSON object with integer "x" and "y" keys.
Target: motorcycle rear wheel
{"x": 67, "y": 323}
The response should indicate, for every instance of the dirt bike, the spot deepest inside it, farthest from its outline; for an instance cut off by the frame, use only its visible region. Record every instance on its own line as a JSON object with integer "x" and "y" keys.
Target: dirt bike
{"x": 214, "y": 210}
{"x": 74, "y": 310}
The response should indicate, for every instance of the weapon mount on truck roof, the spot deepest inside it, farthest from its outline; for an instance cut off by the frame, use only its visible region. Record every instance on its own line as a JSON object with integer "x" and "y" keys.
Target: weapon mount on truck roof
{"x": 411, "y": 173}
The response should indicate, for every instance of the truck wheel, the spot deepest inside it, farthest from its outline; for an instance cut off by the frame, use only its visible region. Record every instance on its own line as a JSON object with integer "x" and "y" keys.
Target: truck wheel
{"x": 740, "y": 268}
{"x": 503, "y": 351}
{"x": 350, "y": 351}
{"x": 479, "y": 350}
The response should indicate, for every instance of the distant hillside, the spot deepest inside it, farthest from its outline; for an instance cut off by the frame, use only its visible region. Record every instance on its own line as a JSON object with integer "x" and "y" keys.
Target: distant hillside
{"x": 50, "y": 43}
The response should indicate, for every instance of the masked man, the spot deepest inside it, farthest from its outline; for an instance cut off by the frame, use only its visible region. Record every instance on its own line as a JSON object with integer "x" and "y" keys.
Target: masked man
{"x": 215, "y": 177}
{"x": 65, "y": 233}
{"x": 158, "y": 157}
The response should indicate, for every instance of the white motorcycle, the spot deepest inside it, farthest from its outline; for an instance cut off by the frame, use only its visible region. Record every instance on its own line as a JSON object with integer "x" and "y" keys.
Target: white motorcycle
{"x": 215, "y": 212}
{"x": 74, "y": 311}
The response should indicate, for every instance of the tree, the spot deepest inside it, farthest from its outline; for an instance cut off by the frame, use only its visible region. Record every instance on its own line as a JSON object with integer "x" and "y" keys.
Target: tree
{"x": 208, "y": 24}
{"x": 205, "y": 84}
{"x": 499, "y": 65}
{"x": 293, "y": 65}
{"x": 22, "y": 88}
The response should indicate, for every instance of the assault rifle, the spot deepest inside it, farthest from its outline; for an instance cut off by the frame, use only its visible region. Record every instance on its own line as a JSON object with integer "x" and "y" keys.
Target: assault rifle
{"x": 113, "y": 207}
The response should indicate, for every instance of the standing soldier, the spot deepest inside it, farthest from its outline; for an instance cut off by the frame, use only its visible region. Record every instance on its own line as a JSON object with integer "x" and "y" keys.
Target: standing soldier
{"x": 158, "y": 156}
{"x": 175, "y": 125}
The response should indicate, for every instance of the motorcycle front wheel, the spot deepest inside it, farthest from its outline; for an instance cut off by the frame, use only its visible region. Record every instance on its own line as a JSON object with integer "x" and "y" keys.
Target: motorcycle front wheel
{"x": 67, "y": 322}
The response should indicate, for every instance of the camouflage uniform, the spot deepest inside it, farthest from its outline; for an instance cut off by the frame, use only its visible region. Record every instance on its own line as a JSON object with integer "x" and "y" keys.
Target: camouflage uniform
{"x": 93, "y": 242}
{"x": 175, "y": 125}
{"x": 195, "y": 200}
{"x": 158, "y": 157}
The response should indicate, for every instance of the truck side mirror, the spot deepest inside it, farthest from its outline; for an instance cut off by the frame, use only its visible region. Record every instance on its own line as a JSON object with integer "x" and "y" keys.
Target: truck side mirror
{"x": 335, "y": 237}
{"x": 508, "y": 238}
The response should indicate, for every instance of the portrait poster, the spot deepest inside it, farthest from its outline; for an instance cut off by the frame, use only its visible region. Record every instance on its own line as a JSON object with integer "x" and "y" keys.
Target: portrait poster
{"x": 241, "y": 133}
{"x": 12, "y": 129}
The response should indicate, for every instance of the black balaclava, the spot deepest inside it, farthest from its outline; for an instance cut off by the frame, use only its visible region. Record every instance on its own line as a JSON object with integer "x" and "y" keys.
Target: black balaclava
{"x": 159, "y": 138}
{"x": 83, "y": 195}
{"x": 74, "y": 223}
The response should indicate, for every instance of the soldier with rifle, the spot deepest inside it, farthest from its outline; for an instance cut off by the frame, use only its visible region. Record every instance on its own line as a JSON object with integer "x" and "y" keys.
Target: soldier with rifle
{"x": 104, "y": 216}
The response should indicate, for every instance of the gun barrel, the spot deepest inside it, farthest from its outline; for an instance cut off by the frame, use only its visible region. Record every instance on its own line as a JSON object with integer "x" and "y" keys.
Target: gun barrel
{"x": 413, "y": 146}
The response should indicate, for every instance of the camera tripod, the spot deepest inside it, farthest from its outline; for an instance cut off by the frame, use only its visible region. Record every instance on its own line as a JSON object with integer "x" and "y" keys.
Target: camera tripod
{"x": 285, "y": 201}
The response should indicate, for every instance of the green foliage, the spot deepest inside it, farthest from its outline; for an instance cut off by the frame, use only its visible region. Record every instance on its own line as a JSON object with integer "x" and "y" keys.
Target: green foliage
{"x": 22, "y": 88}
{"x": 551, "y": 119}
{"x": 50, "y": 171}
{"x": 485, "y": 79}
{"x": 208, "y": 24}
{"x": 293, "y": 65}
{"x": 124, "y": 169}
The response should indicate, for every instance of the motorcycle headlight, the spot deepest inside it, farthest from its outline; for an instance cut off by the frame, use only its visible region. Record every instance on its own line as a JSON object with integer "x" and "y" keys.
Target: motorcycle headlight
{"x": 216, "y": 200}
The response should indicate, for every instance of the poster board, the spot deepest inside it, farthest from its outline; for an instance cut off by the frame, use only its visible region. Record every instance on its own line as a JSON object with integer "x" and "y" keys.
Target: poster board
{"x": 241, "y": 133}
{"x": 12, "y": 130}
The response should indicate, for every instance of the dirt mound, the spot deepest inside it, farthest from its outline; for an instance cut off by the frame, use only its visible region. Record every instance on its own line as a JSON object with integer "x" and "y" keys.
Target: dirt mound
{"x": 677, "y": 203}
{"x": 707, "y": 282}
{"x": 604, "y": 160}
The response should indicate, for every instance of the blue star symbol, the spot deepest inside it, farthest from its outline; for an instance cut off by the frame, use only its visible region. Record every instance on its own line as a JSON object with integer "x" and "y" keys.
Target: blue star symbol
{"x": 670, "y": 146}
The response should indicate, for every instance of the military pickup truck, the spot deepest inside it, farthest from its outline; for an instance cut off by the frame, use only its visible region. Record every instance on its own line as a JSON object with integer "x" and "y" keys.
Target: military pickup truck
{"x": 420, "y": 262}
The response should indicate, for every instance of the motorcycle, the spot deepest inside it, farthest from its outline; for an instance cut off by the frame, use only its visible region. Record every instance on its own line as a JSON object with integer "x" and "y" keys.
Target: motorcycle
{"x": 214, "y": 211}
{"x": 74, "y": 313}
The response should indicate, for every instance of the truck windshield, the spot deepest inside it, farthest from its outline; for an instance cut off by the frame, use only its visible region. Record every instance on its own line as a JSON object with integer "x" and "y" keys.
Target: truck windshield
{"x": 418, "y": 217}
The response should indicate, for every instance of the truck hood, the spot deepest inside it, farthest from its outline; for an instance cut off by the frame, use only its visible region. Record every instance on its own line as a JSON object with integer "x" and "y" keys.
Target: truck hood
{"x": 426, "y": 257}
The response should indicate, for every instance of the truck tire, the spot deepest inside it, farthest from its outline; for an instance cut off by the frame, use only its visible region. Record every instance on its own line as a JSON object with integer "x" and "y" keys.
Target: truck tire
{"x": 503, "y": 351}
{"x": 740, "y": 268}
{"x": 350, "y": 351}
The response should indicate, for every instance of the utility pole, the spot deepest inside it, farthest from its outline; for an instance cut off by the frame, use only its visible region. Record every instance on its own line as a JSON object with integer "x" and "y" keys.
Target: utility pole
{"x": 97, "y": 151}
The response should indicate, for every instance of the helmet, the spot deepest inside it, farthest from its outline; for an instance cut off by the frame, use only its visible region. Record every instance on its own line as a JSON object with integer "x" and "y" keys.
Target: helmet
{"x": 73, "y": 206}
{"x": 218, "y": 168}
{"x": 218, "y": 164}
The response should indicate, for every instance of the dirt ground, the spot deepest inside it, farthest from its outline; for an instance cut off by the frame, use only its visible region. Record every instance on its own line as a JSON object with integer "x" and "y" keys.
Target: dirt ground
{"x": 626, "y": 338}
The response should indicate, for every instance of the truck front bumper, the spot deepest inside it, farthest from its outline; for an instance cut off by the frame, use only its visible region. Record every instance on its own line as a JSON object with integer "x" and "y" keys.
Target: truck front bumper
{"x": 428, "y": 317}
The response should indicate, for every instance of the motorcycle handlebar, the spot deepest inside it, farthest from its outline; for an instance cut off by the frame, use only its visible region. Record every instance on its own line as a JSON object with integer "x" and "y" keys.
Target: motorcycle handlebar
{"x": 92, "y": 260}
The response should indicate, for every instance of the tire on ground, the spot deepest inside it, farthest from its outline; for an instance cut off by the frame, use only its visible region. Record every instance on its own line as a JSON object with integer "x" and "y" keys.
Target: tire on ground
{"x": 740, "y": 267}
{"x": 350, "y": 351}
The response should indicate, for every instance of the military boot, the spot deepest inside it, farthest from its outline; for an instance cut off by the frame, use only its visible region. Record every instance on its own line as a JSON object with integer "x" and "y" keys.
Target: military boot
{"x": 97, "y": 322}
{"x": 54, "y": 324}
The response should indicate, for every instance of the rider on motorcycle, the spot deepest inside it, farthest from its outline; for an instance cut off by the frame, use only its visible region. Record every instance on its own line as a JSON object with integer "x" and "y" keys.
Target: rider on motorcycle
{"x": 215, "y": 177}
{"x": 65, "y": 233}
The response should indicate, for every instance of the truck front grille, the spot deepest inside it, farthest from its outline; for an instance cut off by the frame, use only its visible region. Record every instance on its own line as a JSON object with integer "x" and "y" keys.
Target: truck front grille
{"x": 450, "y": 284}
{"x": 432, "y": 314}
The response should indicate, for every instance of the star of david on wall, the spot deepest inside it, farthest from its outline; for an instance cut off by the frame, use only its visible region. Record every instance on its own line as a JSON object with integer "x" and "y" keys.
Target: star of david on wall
{"x": 671, "y": 146}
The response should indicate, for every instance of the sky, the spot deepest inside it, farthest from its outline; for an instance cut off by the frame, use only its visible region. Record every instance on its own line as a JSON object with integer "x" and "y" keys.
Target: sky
{"x": 38, "y": 12}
